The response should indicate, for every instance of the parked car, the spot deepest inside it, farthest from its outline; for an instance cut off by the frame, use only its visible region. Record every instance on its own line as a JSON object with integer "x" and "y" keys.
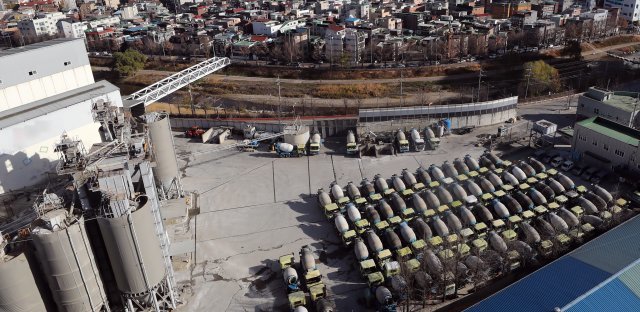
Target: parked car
{"x": 538, "y": 154}
{"x": 578, "y": 169}
{"x": 567, "y": 165}
{"x": 599, "y": 176}
{"x": 588, "y": 173}
{"x": 548, "y": 156}
{"x": 556, "y": 161}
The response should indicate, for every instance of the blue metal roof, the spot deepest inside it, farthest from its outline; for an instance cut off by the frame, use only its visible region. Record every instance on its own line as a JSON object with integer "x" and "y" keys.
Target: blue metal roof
{"x": 583, "y": 272}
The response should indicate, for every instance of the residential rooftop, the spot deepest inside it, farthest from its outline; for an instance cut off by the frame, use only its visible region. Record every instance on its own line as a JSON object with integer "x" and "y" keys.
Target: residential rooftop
{"x": 627, "y": 101}
{"x": 612, "y": 129}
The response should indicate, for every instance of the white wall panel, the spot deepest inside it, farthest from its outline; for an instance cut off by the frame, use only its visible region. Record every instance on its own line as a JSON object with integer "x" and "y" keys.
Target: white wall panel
{"x": 37, "y": 89}
{"x": 49, "y": 87}
{"x": 59, "y": 83}
{"x": 70, "y": 79}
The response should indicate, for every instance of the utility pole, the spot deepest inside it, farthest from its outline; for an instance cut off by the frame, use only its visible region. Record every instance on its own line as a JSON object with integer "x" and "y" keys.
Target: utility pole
{"x": 526, "y": 90}
{"x": 401, "y": 89}
{"x": 479, "y": 82}
{"x": 279, "y": 100}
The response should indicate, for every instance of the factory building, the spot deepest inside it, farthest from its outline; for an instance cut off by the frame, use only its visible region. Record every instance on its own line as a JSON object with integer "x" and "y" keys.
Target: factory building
{"x": 607, "y": 144}
{"x": 46, "y": 89}
{"x": 618, "y": 106}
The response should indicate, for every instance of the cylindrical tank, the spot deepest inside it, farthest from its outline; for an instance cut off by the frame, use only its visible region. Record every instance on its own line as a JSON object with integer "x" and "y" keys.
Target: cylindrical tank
{"x": 423, "y": 176}
{"x": 568, "y": 217}
{"x": 460, "y": 165}
{"x": 593, "y": 220}
{"x": 385, "y": 210}
{"x": 523, "y": 248}
{"x": 428, "y": 133}
{"x": 408, "y": 177}
{"x": 440, "y": 227}
{"x": 528, "y": 170}
{"x": 523, "y": 200}
{"x": 494, "y": 179}
{"x": 497, "y": 243}
{"x": 596, "y": 200}
{"x": 604, "y": 194}
{"x": 336, "y": 191}
{"x": 423, "y": 280}
{"x": 353, "y": 191}
{"x": 166, "y": 169}
{"x": 500, "y": 210}
{"x": 324, "y": 198}
{"x": 285, "y": 147}
{"x": 555, "y": 186}
{"x": 474, "y": 263}
{"x": 587, "y": 206}
{"x": 431, "y": 199}
{"x": 315, "y": 138}
{"x": 558, "y": 223}
{"x": 440, "y": 131}
{"x": 353, "y": 213}
{"x": 530, "y": 233}
{"x": 443, "y": 195}
{"x": 131, "y": 241}
{"x": 494, "y": 158}
{"x": 434, "y": 265}
{"x": 510, "y": 178}
{"x": 383, "y": 295}
{"x": 381, "y": 184}
{"x": 351, "y": 138}
{"x": 467, "y": 217}
{"x": 511, "y": 204}
{"x": 565, "y": 181}
{"x": 397, "y": 202}
{"x": 453, "y": 222}
{"x": 392, "y": 239}
{"x": 449, "y": 170}
{"x": 407, "y": 233}
{"x": 458, "y": 192}
{"x": 483, "y": 213}
{"x": 18, "y": 290}
{"x": 341, "y": 223}
{"x": 471, "y": 162}
{"x": 398, "y": 185}
{"x": 537, "y": 197}
{"x": 486, "y": 186}
{"x": 538, "y": 166}
{"x": 418, "y": 203}
{"x": 518, "y": 173}
{"x": 367, "y": 187}
{"x": 485, "y": 162}
{"x": 436, "y": 173}
{"x": 415, "y": 135}
{"x": 325, "y": 305}
{"x": 400, "y": 136}
{"x": 64, "y": 252}
{"x": 374, "y": 241}
{"x": 546, "y": 191}
{"x": 422, "y": 228}
{"x": 461, "y": 269}
{"x": 473, "y": 188}
{"x": 300, "y": 309}
{"x": 307, "y": 259}
{"x": 360, "y": 250}
{"x": 372, "y": 214}
{"x": 290, "y": 276}
{"x": 544, "y": 227}
{"x": 296, "y": 134}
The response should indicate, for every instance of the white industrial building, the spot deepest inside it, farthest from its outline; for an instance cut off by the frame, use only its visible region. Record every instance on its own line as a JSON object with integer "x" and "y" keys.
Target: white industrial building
{"x": 46, "y": 89}
{"x": 629, "y": 9}
{"x": 617, "y": 106}
{"x": 607, "y": 144}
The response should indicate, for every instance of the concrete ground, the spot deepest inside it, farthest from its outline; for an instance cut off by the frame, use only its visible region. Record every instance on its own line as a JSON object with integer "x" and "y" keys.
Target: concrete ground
{"x": 256, "y": 207}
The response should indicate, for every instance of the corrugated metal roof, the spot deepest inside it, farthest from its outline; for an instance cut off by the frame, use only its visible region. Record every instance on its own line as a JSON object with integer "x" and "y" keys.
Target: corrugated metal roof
{"x": 613, "y": 296}
{"x": 35, "y": 46}
{"x": 35, "y": 109}
{"x": 578, "y": 273}
{"x": 612, "y": 130}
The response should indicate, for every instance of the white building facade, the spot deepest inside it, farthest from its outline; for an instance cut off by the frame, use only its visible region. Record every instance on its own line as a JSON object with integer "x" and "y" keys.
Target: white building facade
{"x": 629, "y": 9}
{"x": 41, "y": 24}
{"x": 72, "y": 29}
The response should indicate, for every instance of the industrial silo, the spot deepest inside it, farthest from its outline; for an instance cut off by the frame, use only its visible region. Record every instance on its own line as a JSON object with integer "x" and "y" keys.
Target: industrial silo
{"x": 18, "y": 289}
{"x": 296, "y": 135}
{"x": 134, "y": 253}
{"x": 166, "y": 169}
{"x": 64, "y": 253}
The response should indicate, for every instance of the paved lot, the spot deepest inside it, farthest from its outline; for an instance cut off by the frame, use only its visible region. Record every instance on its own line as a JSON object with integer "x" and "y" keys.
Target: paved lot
{"x": 256, "y": 207}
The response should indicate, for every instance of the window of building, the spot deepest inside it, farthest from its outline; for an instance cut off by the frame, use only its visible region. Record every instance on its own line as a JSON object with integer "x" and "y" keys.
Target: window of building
{"x": 582, "y": 138}
{"x": 595, "y": 143}
{"x": 67, "y": 63}
{"x": 596, "y": 110}
{"x": 8, "y": 165}
{"x": 33, "y": 72}
{"x": 605, "y": 146}
{"x": 619, "y": 153}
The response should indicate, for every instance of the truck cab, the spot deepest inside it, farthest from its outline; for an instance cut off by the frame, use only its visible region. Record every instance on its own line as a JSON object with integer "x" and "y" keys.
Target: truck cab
{"x": 297, "y": 299}
{"x": 382, "y": 257}
{"x": 362, "y": 226}
{"x": 403, "y": 146}
{"x": 348, "y": 237}
{"x": 312, "y": 278}
{"x": 352, "y": 148}
{"x": 317, "y": 292}
{"x": 314, "y": 148}
{"x": 370, "y": 272}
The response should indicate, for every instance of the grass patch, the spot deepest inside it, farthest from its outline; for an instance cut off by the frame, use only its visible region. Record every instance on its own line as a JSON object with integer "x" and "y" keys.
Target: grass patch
{"x": 617, "y": 40}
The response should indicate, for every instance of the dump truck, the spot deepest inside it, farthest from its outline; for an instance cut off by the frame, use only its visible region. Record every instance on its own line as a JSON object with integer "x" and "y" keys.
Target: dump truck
{"x": 289, "y": 273}
{"x": 347, "y": 235}
{"x": 329, "y": 207}
{"x": 432, "y": 141}
{"x": 418, "y": 142}
{"x": 401, "y": 140}
{"x": 355, "y": 217}
{"x": 352, "y": 146}
{"x": 314, "y": 144}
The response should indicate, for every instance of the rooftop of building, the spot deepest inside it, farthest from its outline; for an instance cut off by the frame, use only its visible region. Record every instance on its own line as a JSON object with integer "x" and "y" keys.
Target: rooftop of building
{"x": 612, "y": 129}
{"x": 36, "y": 46}
{"x": 627, "y": 101}
{"x": 605, "y": 266}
